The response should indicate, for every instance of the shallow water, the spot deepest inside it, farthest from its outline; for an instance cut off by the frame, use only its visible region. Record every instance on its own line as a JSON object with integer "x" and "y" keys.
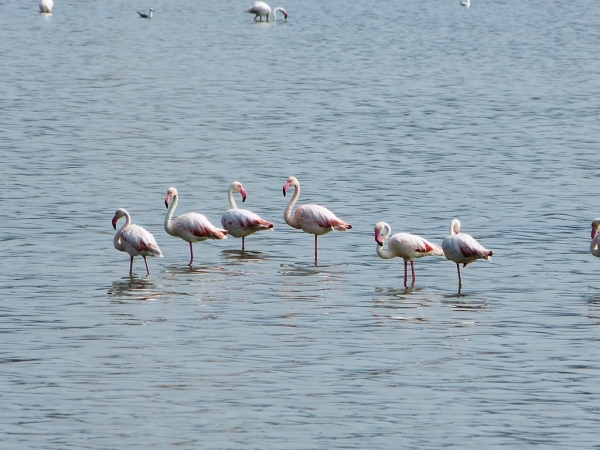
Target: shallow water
{"x": 412, "y": 115}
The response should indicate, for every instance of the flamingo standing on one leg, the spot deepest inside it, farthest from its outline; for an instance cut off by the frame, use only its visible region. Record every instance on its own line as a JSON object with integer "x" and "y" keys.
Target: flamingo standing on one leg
{"x": 595, "y": 236}
{"x": 191, "y": 227}
{"x": 241, "y": 222}
{"x": 404, "y": 245}
{"x": 313, "y": 219}
{"x": 134, "y": 240}
{"x": 463, "y": 248}
{"x": 46, "y": 6}
{"x": 261, "y": 9}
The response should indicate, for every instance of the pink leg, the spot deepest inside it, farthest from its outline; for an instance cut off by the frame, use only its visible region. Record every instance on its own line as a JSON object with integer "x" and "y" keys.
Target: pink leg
{"x": 243, "y": 243}
{"x": 316, "y": 250}
{"x": 412, "y": 266}
{"x": 147, "y": 268}
{"x": 405, "y": 272}
{"x": 459, "y": 278}
{"x": 191, "y": 255}
{"x": 131, "y": 267}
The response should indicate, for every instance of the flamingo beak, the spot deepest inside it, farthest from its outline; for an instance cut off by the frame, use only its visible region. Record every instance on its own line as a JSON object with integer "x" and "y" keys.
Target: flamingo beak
{"x": 286, "y": 186}
{"x": 285, "y": 14}
{"x": 594, "y": 233}
{"x": 378, "y": 237}
{"x": 167, "y": 199}
{"x": 243, "y": 193}
{"x": 114, "y": 222}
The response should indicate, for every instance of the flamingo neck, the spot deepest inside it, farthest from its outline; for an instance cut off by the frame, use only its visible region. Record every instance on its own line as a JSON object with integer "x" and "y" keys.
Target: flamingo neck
{"x": 170, "y": 212}
{"x": 594, "y": 250}
{"x": 385, "y": 254}
{"x": 117, "y": 238}
{"x": 454, "y": 227}
{"x": 275, "y": 13}
{"x": 231, "y": 200}
{"x": 287, "y": 215}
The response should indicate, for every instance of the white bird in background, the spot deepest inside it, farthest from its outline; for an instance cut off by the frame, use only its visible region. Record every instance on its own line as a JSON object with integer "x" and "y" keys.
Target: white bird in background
{"x": 146, "y": 16}
{"x": 191, "y": 227}
{"x": 404, "y": 245}
{"x": 462, "y": 248}
{"x": 594, "y": 250}
{"x": 241, "y": 222}
{"x": 313, "y": 219}
{"x": 261, "y": 9}
{"x": 134, "y": 240}
{"x": 466, "y": 3}
{"x": 46, "y": 6}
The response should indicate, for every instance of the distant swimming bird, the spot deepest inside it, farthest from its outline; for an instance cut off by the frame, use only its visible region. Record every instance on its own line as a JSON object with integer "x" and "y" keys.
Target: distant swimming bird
{"x": 404, "y": 245}
{"x": 46, "y": 6}
{"x": 313, "y": 219}
{"x": 146, "y": 16}
{"x": 594, "y": 250}
{"x": 462, "y": 248}
{"x": 466, "y": 3}
{"x": 261, "y": 9}
{"x": 241, "y": 222}
{"x": 191, "y": 227}
{"x": 134, "y": 240}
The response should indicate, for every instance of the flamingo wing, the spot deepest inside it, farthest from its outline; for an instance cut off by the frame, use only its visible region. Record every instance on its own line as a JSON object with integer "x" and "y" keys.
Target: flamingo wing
{"x": 242, "y": 222}
{"x": 470, "y": 248}
{"x": 319, "y": 218}
{"x": 137, "y": 241}
{"x": 198, "y": 226}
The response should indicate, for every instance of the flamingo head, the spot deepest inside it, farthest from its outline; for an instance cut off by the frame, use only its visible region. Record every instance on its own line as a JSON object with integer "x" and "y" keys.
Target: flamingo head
{"x": 171, "y": 193}
{"x": 292, "y": 181}
{"x": 284, "y": 12}
{"x": 237, "y": 187}
{"x": 378, "y": 238}
{"x": 120, "y": 213}
{"x": 455, "y": 227}
{"x": 595, "y": 227}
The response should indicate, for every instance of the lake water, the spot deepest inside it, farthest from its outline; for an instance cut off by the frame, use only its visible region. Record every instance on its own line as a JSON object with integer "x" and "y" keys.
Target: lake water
{"x": 411, "y": 113}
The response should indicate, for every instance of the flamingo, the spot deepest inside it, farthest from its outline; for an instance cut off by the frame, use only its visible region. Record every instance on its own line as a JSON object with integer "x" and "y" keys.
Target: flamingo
{"x": 191, "y": 227}
{"x": 146, "y": 16}
{"x": 262, "y": 9}
{"x": 404, "y": 245}
{"x": 46, "y": 6}
{"x": 241, "y": 222}
{"x": 595, "y": 236}
{"x": 466, "y": 3}
{"x": 463, "y": 248}
{"x": 134, "y": 240}
{"x": 313, "y": 219}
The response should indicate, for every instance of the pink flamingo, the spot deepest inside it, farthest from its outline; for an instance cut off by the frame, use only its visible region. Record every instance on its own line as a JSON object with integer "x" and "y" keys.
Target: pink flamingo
{"x": 404, "y": 245}
{"x": 313, "y": 219}
{"x": 241, "y": 222}
{"x": 191, "y": 227}
{"x": 463, "y": 248}
{"x": 261, "y": 9}
{"x": 134, "y": 240}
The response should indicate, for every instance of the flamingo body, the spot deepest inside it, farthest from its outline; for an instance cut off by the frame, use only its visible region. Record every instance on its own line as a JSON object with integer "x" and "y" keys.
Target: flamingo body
{"x": 134, "y": 240}
{"x": 46, "y": 6}
{"x": 404, "y": 245}
{"x": 463, "y": 248}
{"x": 261, "y": 9}
{"x": 146, "y": 16}
{"x": 191, "y": 227}
{"x": 313, "y": 219}
{"x": 466, "y": 3}
{"x": 241, "y": 222}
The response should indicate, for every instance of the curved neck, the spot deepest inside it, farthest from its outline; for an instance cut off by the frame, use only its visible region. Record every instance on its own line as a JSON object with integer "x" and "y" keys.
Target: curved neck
{"x": 385, "y": 254}
{"x": 291, "y": 221}
{"x": 454, "y": 227}
{"x": 231, "y": 200}
{"x": 117, "y": 238}
{"x": 275, "y": 13}
{"x": 170, "y": 214}
{"x": 594, "y": 250}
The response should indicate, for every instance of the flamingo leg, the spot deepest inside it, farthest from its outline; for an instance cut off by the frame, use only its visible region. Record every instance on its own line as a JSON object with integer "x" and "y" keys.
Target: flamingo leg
{"x": 191, "y": 255}
{"x": 405, "y": 272}
{"x": 243, "y": 243}
{"x": 316, "y": 250}
{"x": 131, "y": 267}
{"x": 147, "y": 268}
{"x": 412, "y": 267}
{"x": 459, "y": 278}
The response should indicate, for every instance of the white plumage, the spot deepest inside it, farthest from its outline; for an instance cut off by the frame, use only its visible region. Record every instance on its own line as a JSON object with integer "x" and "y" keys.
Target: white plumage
{"x": 46, "y": 6}
{"x": 261, "y": 9}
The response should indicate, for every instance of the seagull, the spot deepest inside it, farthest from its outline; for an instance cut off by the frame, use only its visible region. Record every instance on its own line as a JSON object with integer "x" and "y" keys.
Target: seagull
{"x": 146, "y": 16}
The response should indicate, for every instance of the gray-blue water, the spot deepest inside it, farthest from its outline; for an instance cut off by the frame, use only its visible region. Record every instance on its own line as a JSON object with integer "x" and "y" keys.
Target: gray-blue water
{"x": 411, "y": 113}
